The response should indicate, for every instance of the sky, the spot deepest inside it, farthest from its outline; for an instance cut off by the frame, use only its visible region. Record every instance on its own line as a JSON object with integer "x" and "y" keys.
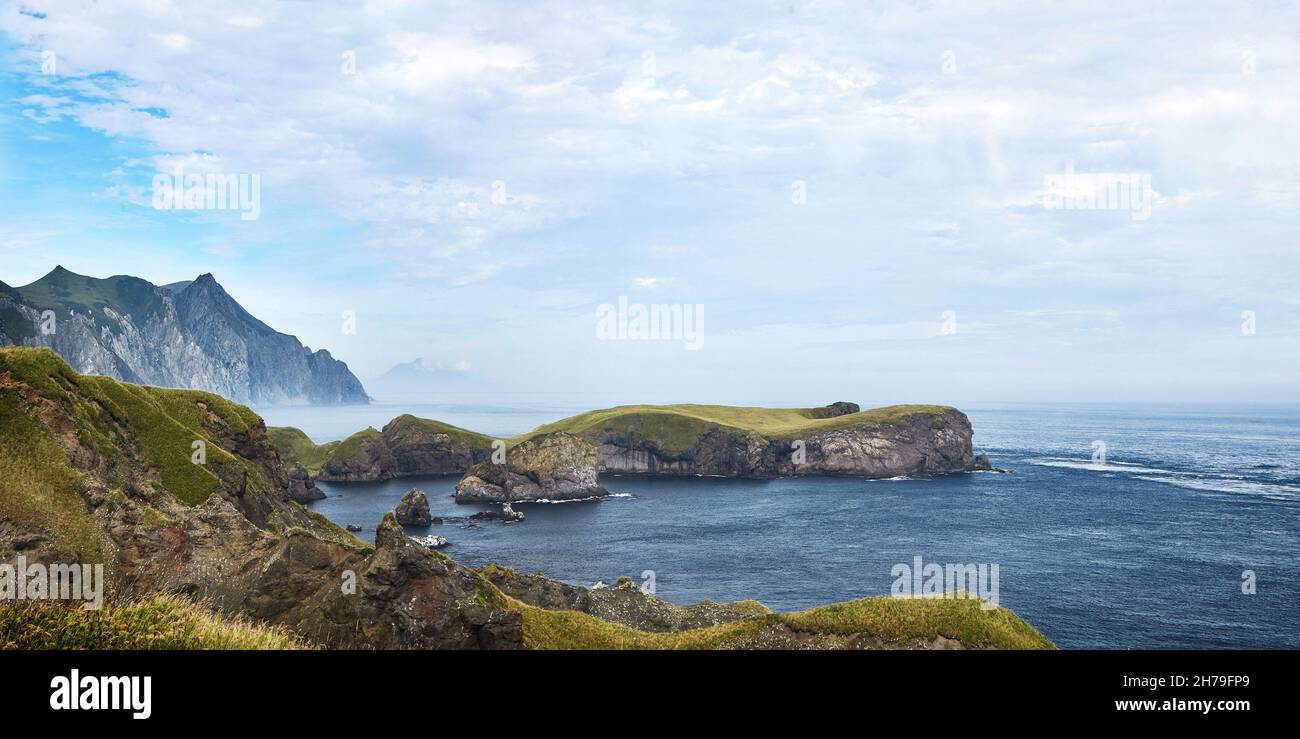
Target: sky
{"x": 875, "y": 202}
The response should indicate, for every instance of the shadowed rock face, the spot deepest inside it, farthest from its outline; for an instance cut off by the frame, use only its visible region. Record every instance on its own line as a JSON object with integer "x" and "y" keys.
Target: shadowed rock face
{"x": 187, "y": 335}
{"x": 243, "y": 546}
{"x": 413, "y": 509}
{"x": 919, "y": 444}
{"x": 557, "y": 466}
{"x": 302, "y": 489}
{"x": 406, "y": 446}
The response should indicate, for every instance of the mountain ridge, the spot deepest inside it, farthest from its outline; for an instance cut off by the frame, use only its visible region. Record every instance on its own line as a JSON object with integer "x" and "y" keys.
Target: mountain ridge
{"x": 190, "y": 334}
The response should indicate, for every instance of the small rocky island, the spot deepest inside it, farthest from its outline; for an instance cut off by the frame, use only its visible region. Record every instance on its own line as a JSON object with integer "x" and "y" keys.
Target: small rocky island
{"x": 564, "y": 460}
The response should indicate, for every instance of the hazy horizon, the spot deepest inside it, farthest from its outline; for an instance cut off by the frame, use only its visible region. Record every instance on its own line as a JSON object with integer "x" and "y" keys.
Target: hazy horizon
{"x": 883, "y": 205}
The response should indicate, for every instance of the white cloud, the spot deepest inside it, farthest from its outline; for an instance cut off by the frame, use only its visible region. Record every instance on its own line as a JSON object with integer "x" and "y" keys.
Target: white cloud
{"x": 674, "y": 133}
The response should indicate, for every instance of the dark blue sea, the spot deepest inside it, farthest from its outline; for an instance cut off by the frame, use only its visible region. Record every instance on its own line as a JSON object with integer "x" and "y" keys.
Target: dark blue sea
{"x": 1145, "y": 550}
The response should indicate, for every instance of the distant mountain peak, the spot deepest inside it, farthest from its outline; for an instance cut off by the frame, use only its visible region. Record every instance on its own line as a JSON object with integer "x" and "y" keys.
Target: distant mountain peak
{"x": 185, "y": 334}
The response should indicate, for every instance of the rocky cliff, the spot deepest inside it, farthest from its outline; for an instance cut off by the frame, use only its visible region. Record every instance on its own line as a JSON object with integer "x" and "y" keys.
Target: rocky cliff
{"x": 562, "y": 460}
{"x": 556, "y": 466}
{"x": 406, "y": 446}
{"x": 184, "y": 335}
{"x": 763, "y": 442}
{"x": 94, "y": 470}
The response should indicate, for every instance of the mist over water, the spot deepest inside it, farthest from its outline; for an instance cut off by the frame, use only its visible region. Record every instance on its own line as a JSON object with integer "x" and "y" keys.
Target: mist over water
{"x": 1146, "y": 550}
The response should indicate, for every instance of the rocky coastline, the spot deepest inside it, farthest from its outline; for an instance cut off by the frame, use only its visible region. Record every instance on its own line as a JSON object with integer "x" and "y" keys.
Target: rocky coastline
{"x": 564, "y": 461}
{"x": 91, "y": 470}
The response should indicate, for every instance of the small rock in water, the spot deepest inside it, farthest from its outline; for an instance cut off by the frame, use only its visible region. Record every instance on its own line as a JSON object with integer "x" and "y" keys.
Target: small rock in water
{"x": 413, "y": 510}
{"x": 506, "y": 514}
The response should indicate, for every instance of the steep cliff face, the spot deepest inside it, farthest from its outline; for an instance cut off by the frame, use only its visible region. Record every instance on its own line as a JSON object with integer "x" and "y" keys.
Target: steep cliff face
{"x": 186, "y": 335}
{"x": 94, "y": 470}
{"x": 922, "y": 443}
{"x": 758, "y": 443}
{"x": 557, "y": 466}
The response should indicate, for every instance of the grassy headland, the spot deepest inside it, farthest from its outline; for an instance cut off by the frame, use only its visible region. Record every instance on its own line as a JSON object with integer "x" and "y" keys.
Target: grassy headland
{"x": 677, "y": 427}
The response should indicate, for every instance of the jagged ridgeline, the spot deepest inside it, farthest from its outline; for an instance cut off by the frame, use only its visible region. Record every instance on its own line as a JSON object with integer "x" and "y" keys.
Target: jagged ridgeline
{"x": 97, "y": 470}
{"x": 186, "y": 335}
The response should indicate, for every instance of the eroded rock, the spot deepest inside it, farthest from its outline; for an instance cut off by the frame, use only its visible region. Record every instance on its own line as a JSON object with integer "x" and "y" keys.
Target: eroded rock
{"x": 413, "y": 509}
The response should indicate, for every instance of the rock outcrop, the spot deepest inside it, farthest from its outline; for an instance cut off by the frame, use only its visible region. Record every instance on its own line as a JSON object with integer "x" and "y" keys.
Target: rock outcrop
{"x": 406, "y": 446}
{"x": 413, "y": 509}
{"x": 507, "y": 514}
{"x": 625, "y": 603}
{"x": 928, "y": 440}
{"x": 557, "y": 466}
{"x": 185, "y": 335}
{"x": 302, "y": 489}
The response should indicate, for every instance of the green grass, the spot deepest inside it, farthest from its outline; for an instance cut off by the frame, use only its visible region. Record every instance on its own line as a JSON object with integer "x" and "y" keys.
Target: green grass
{"x": 406, "y": 423}
{"x": 295, "y": 446}
{"x": 157, "y": 622}
{"x": 353, "y": 447}
{"x": 165, "y": 442}
{"x": 330, "y": 531}
{"x": 163, "y": 423}
{"x": 892, "y": 620}
{"x": 38, "y": 488}
{"x": 677, "y": 427}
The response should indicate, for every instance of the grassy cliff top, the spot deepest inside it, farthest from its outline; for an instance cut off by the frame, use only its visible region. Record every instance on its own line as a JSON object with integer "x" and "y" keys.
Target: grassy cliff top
{"x": 146, "y": 428}
{"x": 676, "y": 427}
{"x": 406, "y": 424}
{"x": 295, "y": 446}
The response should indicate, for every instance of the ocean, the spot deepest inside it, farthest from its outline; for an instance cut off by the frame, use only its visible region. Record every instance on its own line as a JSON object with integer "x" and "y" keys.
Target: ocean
{"x": 1149, "y": 549}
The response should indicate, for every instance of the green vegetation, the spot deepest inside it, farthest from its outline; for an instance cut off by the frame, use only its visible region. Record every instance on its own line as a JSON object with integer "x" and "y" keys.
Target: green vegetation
{"x": 158, "y": 622}
{"x": 330, "y": 531}
{"x": 677, "y": 427}
{"x": 354, "y": 447}
{"x": 406, "y": 423}
{"x": 38, "y": 488}
{"x": 295, "y": 446}
{"x": 154, "y": 518}
{"x": 64, "y": 290}
{"x": 117, "y": 421}
{"x": 891, "y": 620}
